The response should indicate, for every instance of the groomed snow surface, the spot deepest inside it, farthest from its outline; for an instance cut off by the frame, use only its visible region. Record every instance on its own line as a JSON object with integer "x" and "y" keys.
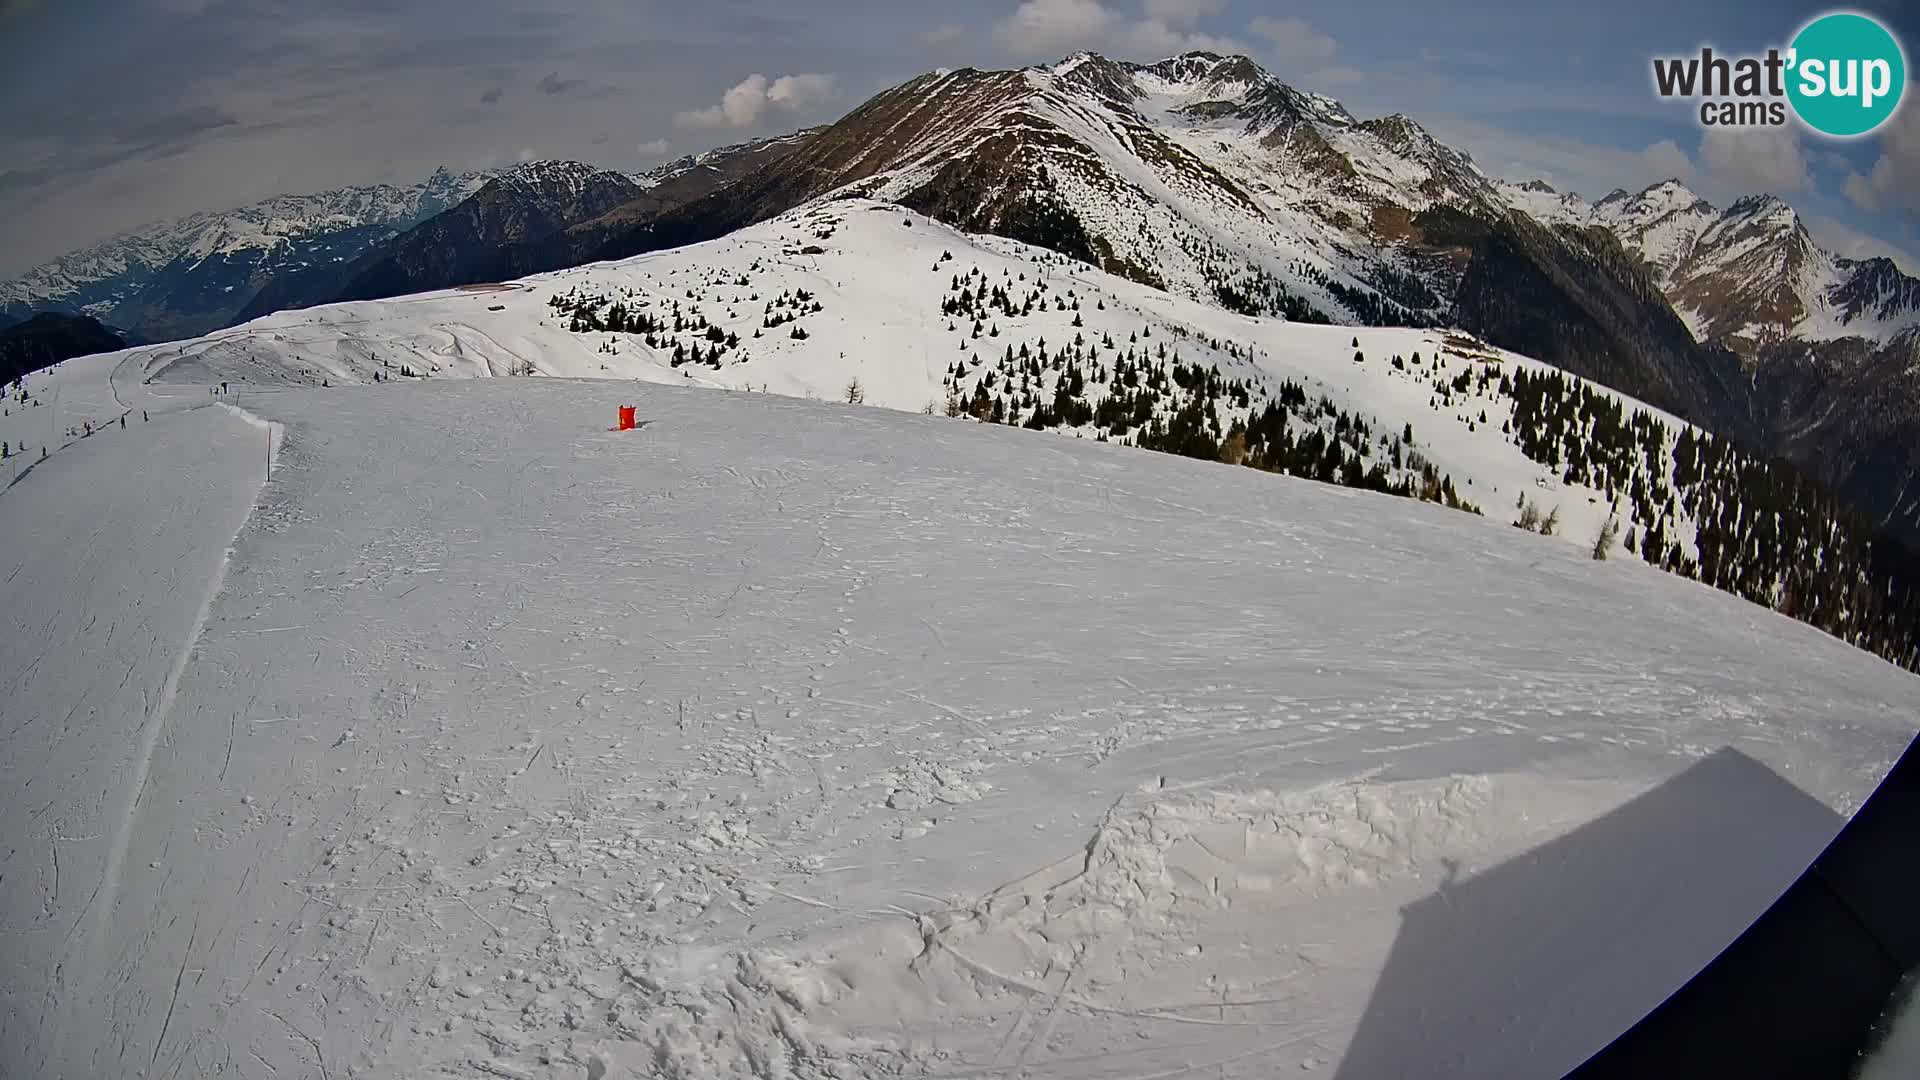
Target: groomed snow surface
{"x": 789, "y": 739}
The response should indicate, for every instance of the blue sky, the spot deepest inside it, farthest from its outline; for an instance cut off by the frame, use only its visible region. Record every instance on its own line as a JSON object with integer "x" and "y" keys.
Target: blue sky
{"x": 125, "y": 112}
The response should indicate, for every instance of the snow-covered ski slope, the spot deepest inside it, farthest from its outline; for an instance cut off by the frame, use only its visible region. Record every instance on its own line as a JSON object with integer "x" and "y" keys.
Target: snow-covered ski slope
{"x": 792, "y": 739}
{"x": 879, "y": 276}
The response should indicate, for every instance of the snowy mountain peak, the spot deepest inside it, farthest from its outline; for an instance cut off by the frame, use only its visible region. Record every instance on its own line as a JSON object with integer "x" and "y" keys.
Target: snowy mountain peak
{"x": 1401, "y": 133}
{"x": 734, "y": 150}
{"x": 1749, "y": 276}
{"x": 1072, "y": 62}
{"x": 1670, "y": 195}
{"x": 1208, "y": 73}
{"x": 1753, "y": 276}
{"x": 553, "y": 177}
{"x": 1197, "y": 84}
{"x": 1544, "y": 202}
{"x": 1099, "y": 77}
{"x": 1769, "y": 209}
{"x": 1201, "y": 173}
{"x": 1273, "y": 107}
{"x": 1661, "y": 222}
{"x": 443, "y": 182}
{"x": 659, "y": 174}
{"x": 718, "y": 156}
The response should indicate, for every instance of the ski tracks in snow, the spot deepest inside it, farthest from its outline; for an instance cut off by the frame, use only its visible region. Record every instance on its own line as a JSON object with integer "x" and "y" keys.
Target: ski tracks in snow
{"x": 781, "y": 740}
{"x": 146, "y": 513}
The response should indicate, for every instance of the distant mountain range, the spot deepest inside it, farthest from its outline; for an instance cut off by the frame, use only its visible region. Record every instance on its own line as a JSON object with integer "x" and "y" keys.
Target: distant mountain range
{"x": 537, "y": 216}
{"x": 1202, "y": 175}
{"x": 530, "y": 200}
{"x": 185, "y": 277}
{"x": 1748, "y": 276}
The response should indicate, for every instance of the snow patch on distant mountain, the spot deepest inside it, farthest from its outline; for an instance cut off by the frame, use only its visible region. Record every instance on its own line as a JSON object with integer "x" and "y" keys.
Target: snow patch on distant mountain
{"x": 1661, "y": 224}
{"x": 1543, "y": 202}
{"x": 99, "y": 278}
{"x": 687, "y": 163}
{"x": 551, "y": 179}
{"x": 1749, "y": 275}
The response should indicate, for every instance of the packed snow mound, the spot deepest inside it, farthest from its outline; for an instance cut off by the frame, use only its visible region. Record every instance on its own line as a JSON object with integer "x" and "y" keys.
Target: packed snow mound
{"x": 780, "y": 738}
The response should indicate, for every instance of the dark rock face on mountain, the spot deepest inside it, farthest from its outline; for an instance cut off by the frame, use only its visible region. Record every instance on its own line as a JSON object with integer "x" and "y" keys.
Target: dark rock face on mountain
{"x": 48, "y": 338}
{"x": 1574, "y": 297}
{"x": 458, "y": 246}
{"x": 668, "y": 188}
{"x": 1848, "y": 413}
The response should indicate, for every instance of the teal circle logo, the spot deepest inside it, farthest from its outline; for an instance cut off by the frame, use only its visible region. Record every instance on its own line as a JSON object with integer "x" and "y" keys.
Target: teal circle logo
{"x": 1846, "y": 74}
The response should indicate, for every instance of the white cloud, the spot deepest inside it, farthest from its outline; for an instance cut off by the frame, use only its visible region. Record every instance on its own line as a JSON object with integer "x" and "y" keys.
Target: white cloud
{"x": 1566, "y": 162}
{"x": 1845, "y": 240}
{"x": 652, "y": 150}
{"x": 1182, "y": 12}
{"x": 1755, "y": 159}
{"x": 748, "y": 101}
{"x": 796, "y": 91}
{"x": 525, "y": 155}
{"x": 1726, "y": 165}
{"x": 1294, "y": 42}
{"x": 1665, "y": 159}
{"x": 1050, "y": 27}
{"x": 1894, "y": 180}
{"x": 1156, "y": 39}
